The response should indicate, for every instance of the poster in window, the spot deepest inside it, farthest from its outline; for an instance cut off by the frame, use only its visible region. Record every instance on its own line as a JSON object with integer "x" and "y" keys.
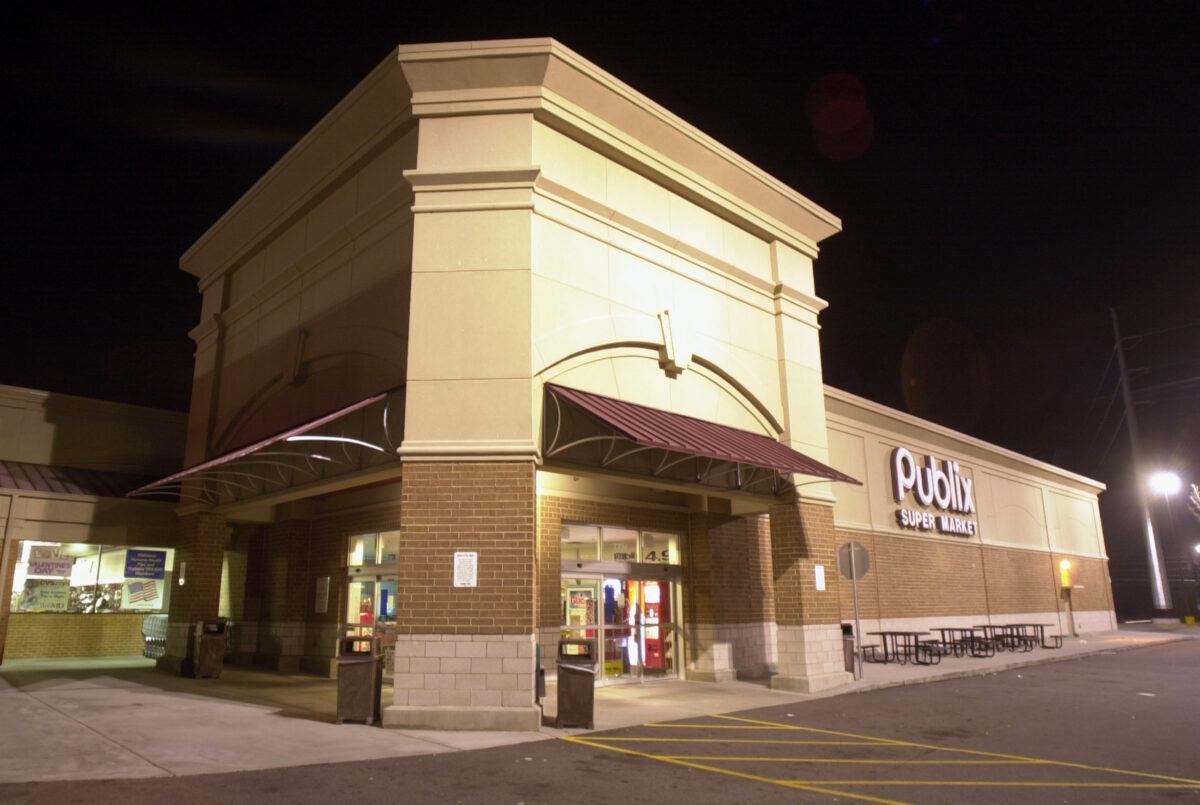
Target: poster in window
{"x": 142, "y": 594}
{"x": 42, "y": 595}
{"x": 46, "y": 560}
{"x": 141, "y": 564}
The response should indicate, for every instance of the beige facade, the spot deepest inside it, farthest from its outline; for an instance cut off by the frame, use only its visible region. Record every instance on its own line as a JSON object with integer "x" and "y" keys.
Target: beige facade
{"x": 1027, "y": 517}
{"x": 67, "y": 461}
{"x": 474, "y": 221}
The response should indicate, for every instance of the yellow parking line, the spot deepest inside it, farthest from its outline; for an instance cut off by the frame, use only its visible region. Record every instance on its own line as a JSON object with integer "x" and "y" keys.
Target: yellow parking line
{"x": 862, "y": 761}
{"x": 1063, "y": 763}
{"x": 772, "y": 741}
{"x": 996, "y": 784}
{"x": 719, "y": 726}
{"x": 815, "y": 787}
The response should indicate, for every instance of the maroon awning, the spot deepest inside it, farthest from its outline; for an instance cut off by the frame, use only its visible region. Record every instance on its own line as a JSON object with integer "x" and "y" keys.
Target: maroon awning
{"x": 240, "y": 471}
{"x": 679, "y": 434}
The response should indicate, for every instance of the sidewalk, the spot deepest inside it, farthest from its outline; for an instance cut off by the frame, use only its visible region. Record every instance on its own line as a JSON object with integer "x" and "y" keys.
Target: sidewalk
{"x": 118, "y": 717}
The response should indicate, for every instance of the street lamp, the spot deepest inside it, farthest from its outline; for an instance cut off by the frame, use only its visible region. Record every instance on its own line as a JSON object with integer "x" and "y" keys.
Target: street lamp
{"x": 1166, "y": 483}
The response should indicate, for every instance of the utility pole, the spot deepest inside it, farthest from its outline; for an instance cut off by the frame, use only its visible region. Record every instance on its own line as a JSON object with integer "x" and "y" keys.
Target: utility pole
{"x": 1160, "y": 593}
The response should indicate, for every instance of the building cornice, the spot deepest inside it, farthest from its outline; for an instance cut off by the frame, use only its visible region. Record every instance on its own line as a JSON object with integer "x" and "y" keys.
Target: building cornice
{"x": 537, "y": 76}
{"x": 847, "y": 398}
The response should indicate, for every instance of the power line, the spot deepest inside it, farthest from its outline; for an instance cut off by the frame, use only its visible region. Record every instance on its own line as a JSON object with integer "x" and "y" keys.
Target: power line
{"x": 1103, "y": 376}
{"x": 1111, "y": 441}
{"x": 1163, "y": 330}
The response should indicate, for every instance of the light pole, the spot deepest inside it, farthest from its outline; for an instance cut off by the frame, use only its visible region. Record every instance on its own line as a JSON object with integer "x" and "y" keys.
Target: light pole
{"x": 1165, "y": 483}
{"x": 1160, "y": 594}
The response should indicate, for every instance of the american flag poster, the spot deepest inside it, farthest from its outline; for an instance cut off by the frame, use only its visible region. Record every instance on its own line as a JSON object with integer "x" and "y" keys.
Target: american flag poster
{"x": 141, "y": 594}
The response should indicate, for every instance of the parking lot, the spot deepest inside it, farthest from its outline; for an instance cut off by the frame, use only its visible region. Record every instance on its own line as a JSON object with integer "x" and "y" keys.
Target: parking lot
{"x": 1115, "y": 727}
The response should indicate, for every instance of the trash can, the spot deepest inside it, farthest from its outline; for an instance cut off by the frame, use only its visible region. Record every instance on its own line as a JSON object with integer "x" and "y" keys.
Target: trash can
{"x": 848, "y": 653}
{"x": 576, "y": 684}
{"x": 208, "y": 649}
{"x": 359, "y": 680}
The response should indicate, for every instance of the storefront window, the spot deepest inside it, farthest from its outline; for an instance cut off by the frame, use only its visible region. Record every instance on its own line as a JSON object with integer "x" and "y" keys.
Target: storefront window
{"x": 373, "y": 549}
{"x": 75, "y": 577}
{"x": 620, "y": 544}
{"x": 589, "y": 542}
{"x": 662, "y": 548}
{"x": 580, "y": 542}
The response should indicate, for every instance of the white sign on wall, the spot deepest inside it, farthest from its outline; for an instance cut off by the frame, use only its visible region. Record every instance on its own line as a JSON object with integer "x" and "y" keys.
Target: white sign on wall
{"x": 939, "y": 484}
{"x": 466, "y": 569}
{"x": 819, "y": 572}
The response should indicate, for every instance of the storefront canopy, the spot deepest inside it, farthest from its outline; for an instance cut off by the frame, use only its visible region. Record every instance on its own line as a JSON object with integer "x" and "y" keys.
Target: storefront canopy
{"x": 602, "y": 432}
{"x": 349, "y": 439}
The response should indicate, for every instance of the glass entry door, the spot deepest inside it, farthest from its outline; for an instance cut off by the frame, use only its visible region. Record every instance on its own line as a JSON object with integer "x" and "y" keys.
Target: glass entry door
{"x": 630, "y": 620}
{"x": 371, "y": 602}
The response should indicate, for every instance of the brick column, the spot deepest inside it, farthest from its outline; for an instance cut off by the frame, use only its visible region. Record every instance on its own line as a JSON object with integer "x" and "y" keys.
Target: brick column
{"x": 8, "y": 566}
{"x": 464, "y": 655}
{"x": 729, "y": 589}
{"x": 809, "y": 630}
{"x": 285, "y": 596}
{"x": 198, "y": 557}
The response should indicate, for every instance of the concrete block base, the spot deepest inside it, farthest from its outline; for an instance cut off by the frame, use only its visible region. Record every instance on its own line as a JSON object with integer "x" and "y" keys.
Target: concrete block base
{"x": 492, "y": 719}
{"x": 701, "y": 675}
{"x": 811, "y": 684}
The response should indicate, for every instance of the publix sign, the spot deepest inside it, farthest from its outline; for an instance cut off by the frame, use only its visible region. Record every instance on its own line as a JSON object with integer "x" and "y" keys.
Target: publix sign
{"x": 939, "y": 484}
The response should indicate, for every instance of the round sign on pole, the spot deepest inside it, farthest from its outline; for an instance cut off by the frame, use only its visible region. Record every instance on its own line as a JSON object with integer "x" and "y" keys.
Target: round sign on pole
{"x": 861, "y": 564}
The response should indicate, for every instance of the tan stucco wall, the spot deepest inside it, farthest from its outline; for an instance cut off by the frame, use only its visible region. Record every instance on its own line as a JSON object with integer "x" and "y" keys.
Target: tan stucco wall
{"x": 498, "y": 215}
{"x": 41, "y": 427}
{"x": 1020, "y": 502}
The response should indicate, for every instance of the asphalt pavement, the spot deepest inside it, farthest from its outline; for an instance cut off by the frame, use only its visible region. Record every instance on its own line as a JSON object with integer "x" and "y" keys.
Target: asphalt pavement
{"x": 1120, "y": 727}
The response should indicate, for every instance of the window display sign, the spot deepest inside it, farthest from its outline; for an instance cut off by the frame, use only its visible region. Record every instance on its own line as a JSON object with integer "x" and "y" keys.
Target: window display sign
{"x": 45, "y": 596}
{"x": 45, "y": 560}
{"x": 142, "y": 594}
{"x": 141, "y": 564}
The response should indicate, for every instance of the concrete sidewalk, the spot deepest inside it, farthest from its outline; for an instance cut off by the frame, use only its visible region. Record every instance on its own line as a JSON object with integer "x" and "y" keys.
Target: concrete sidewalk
{"x": 119, "y": 717}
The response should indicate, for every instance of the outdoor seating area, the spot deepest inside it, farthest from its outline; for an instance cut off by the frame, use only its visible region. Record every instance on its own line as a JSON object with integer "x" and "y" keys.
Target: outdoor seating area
{"x": 981, "y": 641}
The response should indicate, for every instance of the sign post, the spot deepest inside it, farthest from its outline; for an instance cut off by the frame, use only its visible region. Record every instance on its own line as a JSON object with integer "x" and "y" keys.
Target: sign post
{"x": 853, "y": 562}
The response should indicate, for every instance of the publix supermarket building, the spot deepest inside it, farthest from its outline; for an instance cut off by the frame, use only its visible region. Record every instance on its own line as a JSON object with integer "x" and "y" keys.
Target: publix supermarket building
{"x": 502, "y": 353}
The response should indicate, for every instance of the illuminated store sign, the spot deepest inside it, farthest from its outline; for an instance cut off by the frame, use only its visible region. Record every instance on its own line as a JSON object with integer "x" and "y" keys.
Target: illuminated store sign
{"x": 937, "y": 484}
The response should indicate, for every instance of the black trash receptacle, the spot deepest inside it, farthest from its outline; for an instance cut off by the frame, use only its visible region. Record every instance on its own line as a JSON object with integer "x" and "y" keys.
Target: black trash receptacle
{"x": 576, "y": 684}
{"x": 208, "y": 649}
{"x": 359, "y": 679}
{"x": 848, "y": 653}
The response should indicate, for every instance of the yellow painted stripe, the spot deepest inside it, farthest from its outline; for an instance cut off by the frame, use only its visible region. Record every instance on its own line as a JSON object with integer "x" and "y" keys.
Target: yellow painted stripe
{"x": 772, "y": 741}
{"x": 815, "y": 787}
{"x": 997, "y": 784}
{"x": 1063, "y": 763}
{"x": 891, "y": 761}
{"x": 718, "y": 726}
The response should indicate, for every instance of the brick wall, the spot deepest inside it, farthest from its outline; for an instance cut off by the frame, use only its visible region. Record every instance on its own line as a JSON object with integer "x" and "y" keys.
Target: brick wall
{"x": 6, "y": 581}
{"x": 1092, "y": 575}
{"x": 802, "y": 536}
{"x": 553, "y": 511}
{"x": 1020, "y": 581}
{"x": 729, "y": 572}
{"x": 917, "y": 578}
{"x": 67, "y": 634}
{"x": 487, "y": 507}
{"x": 202, "y": 540}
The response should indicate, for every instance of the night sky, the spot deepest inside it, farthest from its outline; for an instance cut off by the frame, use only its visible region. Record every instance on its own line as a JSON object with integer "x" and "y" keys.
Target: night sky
{"x": 1005, "y": 173}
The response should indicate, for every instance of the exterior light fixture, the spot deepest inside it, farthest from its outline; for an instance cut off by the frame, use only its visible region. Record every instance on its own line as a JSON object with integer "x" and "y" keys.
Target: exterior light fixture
{"x": 1066, "y": 563}
{"x": 1165, "y": 483}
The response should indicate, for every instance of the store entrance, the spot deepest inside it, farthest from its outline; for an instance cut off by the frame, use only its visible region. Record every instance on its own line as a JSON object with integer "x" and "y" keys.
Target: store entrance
{"x": 371, "y": 603}
{"x": 632, "y": 622}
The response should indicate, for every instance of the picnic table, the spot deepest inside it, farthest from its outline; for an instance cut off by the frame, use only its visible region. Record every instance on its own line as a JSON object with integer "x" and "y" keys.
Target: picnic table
{"x": 1036, "y": 633}
{"x": 901, "y": 646}
{"x": 962, "y": 640}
